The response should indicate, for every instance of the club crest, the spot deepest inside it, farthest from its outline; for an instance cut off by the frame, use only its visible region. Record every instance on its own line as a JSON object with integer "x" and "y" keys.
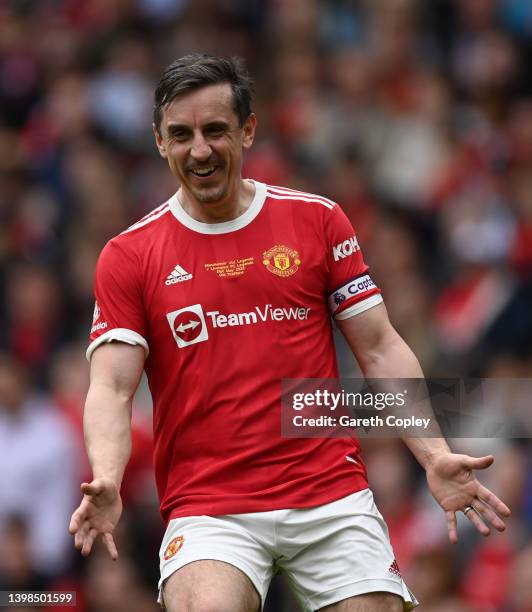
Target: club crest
{"x": 174, "y": 547}
{"x": 281, "y": 260}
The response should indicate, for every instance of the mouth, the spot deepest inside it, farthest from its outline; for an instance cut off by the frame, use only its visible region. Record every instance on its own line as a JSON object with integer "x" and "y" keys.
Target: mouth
{"x": 203, "y": 171}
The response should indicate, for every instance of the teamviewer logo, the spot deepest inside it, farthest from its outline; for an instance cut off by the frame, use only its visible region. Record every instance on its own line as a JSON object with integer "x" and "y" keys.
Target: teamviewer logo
{"x": 188, "y": 325}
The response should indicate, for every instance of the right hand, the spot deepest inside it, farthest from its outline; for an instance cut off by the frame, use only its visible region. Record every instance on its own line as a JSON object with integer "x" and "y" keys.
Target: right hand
{"x": 98, "y": 514}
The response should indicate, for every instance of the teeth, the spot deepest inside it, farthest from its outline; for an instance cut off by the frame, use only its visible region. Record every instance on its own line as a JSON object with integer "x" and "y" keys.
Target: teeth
{"x": 203, "y": 171}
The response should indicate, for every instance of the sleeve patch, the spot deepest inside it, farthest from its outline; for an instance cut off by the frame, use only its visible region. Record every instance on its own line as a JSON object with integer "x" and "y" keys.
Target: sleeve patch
{"x": 345, "y": 248}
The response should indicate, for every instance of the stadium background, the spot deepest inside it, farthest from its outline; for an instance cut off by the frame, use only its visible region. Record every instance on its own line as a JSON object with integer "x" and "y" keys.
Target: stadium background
{"x": 415, "y": 116}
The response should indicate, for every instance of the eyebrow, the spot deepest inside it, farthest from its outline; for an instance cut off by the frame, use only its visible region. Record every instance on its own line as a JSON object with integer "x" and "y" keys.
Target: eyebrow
{"x": 181, "y": 127}
{"x": 177, "y": 127}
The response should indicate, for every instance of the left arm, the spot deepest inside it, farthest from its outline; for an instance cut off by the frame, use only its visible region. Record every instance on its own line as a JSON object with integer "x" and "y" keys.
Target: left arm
{"x": 382, "y": 353}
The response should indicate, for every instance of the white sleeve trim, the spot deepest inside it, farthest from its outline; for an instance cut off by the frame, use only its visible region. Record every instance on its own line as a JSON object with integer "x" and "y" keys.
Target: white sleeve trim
{"x": 360, "y": 307}
{"x": 120, "y": 334}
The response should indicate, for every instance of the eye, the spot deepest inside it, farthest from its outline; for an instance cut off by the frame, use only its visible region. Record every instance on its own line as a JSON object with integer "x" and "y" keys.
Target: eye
{"x": 179, "y": 135}
{"x": 215, "y": 131}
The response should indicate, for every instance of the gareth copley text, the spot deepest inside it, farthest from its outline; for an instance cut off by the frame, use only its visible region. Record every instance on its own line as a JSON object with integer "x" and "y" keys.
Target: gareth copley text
{"x": 373, "y": 421}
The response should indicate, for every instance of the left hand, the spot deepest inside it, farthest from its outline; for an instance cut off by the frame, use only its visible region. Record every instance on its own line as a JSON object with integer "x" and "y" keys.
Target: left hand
{"x": 453, "y": 484}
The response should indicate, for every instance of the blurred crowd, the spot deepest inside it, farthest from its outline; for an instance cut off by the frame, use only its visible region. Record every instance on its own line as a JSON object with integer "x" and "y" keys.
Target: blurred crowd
{"x": 415, "y": 116}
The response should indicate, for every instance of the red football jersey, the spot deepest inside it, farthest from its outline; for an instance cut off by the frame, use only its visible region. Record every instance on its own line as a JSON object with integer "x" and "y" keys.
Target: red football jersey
{"x": 224, "y": 312}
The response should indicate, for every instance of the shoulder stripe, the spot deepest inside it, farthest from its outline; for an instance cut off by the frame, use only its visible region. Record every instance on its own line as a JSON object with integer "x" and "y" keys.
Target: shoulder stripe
{"x": 295, "y": 193}
{"x": 151, "y": 213}
{"x": 300, "y": 198}
{"x": 155, "y": 214}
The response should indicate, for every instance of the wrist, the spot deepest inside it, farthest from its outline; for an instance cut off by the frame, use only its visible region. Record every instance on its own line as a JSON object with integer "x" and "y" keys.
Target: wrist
{"x": 109, "y": 479}
{"x": 433, "y": 455}
{"x": 427, "y": 450}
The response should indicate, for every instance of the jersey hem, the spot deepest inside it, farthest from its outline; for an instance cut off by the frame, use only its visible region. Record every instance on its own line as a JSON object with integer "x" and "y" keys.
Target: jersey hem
{"x": 351, "y": 311}
{"x": 224, "y": 508}
{"x": 119, "y": 334}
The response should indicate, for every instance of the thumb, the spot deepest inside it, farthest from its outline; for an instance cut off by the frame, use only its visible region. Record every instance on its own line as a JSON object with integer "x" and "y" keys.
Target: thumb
{"x": 479, "y": 463}
{"x": 93, "y": 488}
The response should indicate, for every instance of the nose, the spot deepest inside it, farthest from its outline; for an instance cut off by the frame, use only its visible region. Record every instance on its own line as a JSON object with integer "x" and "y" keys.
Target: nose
{"x": 200, "y": 151}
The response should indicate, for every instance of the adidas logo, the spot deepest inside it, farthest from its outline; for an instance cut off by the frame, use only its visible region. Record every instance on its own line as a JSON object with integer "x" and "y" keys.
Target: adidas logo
{"x": 177, "y": 275}
{"x": 394, "y": 568}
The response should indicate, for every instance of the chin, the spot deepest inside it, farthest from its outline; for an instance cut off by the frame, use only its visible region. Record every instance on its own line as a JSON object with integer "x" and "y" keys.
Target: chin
{"x": 209, "y": 196}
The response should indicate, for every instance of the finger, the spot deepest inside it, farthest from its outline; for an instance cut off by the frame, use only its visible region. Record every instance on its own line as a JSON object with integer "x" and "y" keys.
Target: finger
{"x": 451, "y": 526}
{"x": 488, "y": 516}
{"x": 89, "y": 541}
{"x": 479, "y": 463}
{"x": 81, "y": 534}
{"x": 77, "y": 519}
{"x": 492, "y": 500}
{"x": 478, "y": 522}
{"x": 110, "y": 545}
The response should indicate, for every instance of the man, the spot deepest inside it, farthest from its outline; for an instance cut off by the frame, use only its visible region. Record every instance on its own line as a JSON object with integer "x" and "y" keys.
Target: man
{"x": 219, "y": 294}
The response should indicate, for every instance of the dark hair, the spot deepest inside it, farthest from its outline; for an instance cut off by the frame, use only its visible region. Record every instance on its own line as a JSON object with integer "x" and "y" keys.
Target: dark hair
{"x": 197, "y": 70}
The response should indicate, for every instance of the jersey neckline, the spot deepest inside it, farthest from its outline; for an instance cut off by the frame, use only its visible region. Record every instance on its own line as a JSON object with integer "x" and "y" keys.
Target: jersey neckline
{"x": 226, "y": 226}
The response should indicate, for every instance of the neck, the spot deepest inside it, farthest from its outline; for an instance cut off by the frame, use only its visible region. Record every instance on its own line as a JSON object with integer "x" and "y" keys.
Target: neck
{"x": 230, "y": 207}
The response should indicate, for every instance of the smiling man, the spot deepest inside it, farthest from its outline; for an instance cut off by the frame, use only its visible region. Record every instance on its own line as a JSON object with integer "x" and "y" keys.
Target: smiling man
{"x": 218, "y": 294}
{"x": 202, "y": 138}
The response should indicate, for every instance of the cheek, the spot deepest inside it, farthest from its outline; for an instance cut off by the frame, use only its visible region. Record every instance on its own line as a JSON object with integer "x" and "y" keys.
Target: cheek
{"x": 175, "y": 168}
{"x": 234, "y": 152}
{"x": 175, "y": 160}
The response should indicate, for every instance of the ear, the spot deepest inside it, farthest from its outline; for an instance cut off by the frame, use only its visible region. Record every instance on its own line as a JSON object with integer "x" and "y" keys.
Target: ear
{"x": 249, "y": 131}
{"x": 159, "y": 141}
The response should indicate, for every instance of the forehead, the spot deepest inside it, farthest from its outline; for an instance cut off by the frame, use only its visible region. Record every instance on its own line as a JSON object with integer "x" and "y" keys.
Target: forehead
{"x": 209, "y": 103}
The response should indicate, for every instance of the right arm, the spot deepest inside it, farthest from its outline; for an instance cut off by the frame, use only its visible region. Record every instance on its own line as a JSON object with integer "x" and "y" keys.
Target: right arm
{"x": 116, "y": 369}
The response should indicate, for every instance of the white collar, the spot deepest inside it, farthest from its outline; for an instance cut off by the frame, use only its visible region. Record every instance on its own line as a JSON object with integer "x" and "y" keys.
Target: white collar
{"x": 226, "y": 226}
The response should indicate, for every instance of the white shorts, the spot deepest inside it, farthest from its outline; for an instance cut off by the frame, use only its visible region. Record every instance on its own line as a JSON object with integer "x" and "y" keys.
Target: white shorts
{"x": 328, "y": 552}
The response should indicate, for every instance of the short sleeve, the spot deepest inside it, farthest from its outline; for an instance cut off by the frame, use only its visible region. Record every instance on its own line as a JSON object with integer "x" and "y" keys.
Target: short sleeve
{"x": 118, "y": 311}
{"x": 350, "y": 288}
